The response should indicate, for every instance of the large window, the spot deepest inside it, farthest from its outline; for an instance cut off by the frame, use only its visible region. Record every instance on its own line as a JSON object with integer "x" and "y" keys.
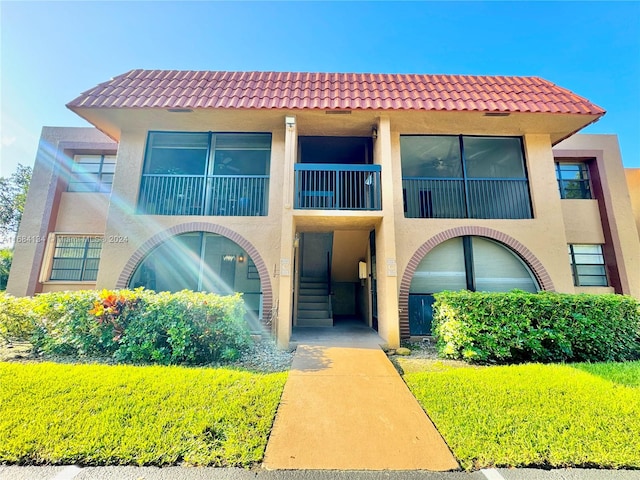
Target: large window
{"x": 206, "y": 174}
{"x": 573, "y": 180}
{"x": 471, "y": 263}
{"x": 92, "y": 173}
{"x": 464, "y": 263}
{"x": 76, "y": 258}
{"x": 447, "y": 176}
{"x": 200, "y": 261}
{"x": 587, "y": 265}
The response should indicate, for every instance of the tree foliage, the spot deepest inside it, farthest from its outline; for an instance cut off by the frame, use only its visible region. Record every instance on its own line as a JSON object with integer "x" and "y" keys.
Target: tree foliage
{"x": 13, "y": 194}
{"x": 6, "y": 256}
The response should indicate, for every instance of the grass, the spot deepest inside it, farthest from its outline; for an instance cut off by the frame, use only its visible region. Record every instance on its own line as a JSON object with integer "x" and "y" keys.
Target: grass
{"x": 127, "y": 415}
{"x": 535, "y": 415}
{"x": 627, "y": 373}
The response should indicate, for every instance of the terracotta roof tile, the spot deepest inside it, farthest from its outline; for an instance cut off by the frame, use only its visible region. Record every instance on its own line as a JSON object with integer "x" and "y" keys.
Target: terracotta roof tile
{"x": 329, "y": 91}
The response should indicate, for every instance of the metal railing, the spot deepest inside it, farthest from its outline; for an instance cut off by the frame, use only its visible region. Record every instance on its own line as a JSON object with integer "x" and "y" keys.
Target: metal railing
{"x": 242, "y": 195}
{"x": 470, "y": 198}
{"x": 337, "y": 187}
{"x": 222, "y": 195}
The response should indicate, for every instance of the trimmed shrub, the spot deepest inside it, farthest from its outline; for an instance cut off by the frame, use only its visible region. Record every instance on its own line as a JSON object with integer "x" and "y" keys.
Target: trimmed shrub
{"x": 133, "y": 326}
{"x": 64, "y": 326}
{"x": 17, "y": 322}
{"x": 184, "y": 328}
{"x": 518, "y": 326}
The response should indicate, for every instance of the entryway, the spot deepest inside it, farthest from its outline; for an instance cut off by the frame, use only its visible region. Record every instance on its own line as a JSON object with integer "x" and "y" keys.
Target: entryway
{"x": 345, "y": 331}
{"x": 335, "y": 279}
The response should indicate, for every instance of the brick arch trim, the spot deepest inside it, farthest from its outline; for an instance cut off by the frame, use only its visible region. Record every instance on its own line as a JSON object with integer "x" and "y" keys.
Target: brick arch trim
{"x": 536, "y": 267}
{"x": 156, "y": 240}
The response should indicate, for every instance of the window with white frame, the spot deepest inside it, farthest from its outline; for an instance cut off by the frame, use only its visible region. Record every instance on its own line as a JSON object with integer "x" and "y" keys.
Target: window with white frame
{"x": 76, "y": 258}
{"x": 587, "y": 266}
{"x": 92, "y": 173}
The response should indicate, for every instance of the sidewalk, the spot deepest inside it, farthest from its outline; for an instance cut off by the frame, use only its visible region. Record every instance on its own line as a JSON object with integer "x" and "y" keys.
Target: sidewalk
{"x": 345, "y": 407}
{"x": 211, "y": 473}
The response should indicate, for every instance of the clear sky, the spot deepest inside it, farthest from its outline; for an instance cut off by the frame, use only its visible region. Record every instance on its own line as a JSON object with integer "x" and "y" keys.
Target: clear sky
{"x": 53, "y": 51}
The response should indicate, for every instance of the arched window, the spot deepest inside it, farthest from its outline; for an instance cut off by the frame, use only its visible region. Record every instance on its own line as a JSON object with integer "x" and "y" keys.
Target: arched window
{"x": 472, "y": 263}
{"x": 200, "y": 261}
{"x": 464, "y": 263}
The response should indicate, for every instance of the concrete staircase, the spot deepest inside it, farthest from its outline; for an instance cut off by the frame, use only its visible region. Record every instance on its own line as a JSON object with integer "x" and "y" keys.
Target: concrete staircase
{"x": 314, "y": 303}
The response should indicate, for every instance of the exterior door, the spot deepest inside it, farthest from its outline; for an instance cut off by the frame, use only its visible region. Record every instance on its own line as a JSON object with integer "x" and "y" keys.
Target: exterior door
{"x": 420, "y": 314}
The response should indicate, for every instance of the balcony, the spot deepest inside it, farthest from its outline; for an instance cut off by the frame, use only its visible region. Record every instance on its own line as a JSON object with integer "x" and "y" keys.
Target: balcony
{"x": 221, "y": 195}
{"x": 337, "y": 187}
{"x": 470, "y": 198}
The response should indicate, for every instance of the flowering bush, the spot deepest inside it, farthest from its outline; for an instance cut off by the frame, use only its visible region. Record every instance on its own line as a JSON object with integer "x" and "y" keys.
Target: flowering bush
{"x": 113, "y": 308}
{"x": 135, "y": 326}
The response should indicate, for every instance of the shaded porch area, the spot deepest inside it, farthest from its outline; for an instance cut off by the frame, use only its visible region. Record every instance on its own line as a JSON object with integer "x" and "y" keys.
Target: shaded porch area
{"x": 348, "y": 331}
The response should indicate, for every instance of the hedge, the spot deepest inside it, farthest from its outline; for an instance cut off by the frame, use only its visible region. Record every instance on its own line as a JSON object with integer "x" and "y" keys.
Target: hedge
{"x": 132, "y": 326}
{"x": 518, "y": 326}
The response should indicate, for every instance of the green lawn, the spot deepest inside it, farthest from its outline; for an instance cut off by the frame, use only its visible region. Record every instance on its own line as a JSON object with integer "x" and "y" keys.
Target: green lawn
{"x": 97, "y": 414}
{"x": 543, "y": 415}
{"x": 627, "y": 373}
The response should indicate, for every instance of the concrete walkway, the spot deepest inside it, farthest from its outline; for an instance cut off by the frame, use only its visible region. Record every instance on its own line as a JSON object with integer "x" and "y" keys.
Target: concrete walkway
{"x": 213, "y": 473}
{"x": 345, "y": 407}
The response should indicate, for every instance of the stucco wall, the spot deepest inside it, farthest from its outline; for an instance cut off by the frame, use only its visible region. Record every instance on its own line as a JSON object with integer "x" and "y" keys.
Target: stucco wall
{"x": 48, "y": 208}
{"x": 618, "y": 223}
{"x": 82, "y": 212}
{"x": 582, "y": 222}
{"x": 633, "y": 184}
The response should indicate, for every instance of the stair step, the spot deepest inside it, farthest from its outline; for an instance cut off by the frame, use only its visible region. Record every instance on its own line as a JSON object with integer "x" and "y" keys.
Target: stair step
{"x": 313, "y": 291}
{"x": 313, "y": 280}
{"x": 302, "y": 305}
{"x": 312, "y": 298}
{"x": 314, "y": 286}
{"x": 313, "y": 313}
{"x": 315, "y": 322}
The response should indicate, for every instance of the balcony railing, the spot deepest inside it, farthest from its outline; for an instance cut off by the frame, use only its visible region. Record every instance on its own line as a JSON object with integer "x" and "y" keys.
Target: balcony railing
{"x": 471, "y": 198}
{"x": 337, "y": 187}
{"x": 222, "y": 195}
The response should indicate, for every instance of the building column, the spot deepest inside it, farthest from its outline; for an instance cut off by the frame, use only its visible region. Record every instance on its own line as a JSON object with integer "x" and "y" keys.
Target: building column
{"x": 285, "y": 269}
{"x": 39, "y": 216}
{"x": 387, "y": 268}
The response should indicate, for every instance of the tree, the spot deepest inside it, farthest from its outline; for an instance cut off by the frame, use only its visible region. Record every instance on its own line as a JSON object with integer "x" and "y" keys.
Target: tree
{"x": 13, "y": 194}
{"x": 6, "y": 256}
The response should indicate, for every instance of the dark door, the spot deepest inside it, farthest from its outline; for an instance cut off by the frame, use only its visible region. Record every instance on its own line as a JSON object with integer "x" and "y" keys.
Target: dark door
{"x": 420, "y": 314}
{"x": 374, "y": 282}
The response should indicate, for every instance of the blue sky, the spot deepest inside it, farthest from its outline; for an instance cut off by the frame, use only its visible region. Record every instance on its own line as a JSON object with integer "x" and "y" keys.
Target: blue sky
{"x": 52, "y": 51}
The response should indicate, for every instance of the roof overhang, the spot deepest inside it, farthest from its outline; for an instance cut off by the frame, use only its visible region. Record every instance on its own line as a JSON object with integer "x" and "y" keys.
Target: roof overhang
{"x": 114, "y": 121}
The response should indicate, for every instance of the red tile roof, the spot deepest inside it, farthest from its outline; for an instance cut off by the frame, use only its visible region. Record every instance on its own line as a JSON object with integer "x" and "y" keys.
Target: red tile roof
{"x": 332, "y": 91}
